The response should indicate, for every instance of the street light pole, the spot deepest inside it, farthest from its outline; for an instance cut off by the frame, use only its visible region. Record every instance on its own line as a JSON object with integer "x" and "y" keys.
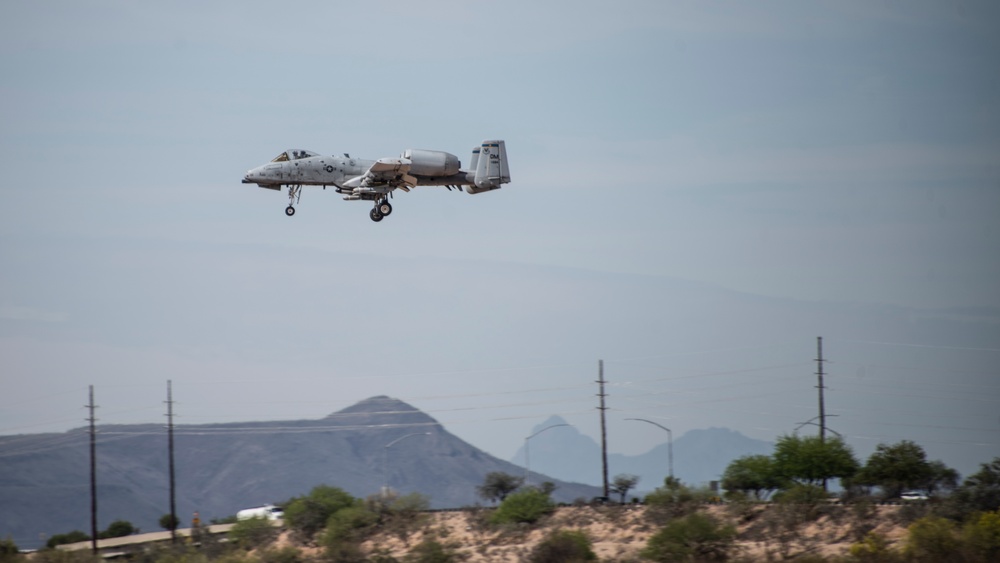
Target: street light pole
{"x": 670, "y": 443}
{"x": 527, "y": 453}
{"x": 385, "y": 459}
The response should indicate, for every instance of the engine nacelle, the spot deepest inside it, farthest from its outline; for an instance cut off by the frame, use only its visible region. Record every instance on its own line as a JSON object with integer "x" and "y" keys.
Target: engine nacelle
{"x": 432, "y": 163}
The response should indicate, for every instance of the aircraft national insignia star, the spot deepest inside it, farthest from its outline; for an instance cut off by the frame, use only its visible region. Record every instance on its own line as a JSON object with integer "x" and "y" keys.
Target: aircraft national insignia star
{"x": 375, "y": 180}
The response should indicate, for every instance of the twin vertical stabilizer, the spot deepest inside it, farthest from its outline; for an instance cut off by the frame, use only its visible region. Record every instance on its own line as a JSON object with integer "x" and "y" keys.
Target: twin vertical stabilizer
{"x": 489, "y": 161}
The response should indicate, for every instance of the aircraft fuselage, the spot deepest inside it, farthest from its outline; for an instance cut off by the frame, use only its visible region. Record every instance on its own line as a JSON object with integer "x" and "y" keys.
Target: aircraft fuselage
{"x": 334, "y": 171}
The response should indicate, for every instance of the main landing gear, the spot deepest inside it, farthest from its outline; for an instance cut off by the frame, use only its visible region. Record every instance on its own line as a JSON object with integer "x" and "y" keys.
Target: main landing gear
{"x": 382, "y": 209}
{"x": 294, "y": 194}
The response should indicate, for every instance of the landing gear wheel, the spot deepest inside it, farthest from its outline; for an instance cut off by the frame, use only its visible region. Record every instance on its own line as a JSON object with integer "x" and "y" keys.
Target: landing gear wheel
{"x": 289, "y": 211}
{"x": 375, "y": 215}
{"x": 384, "y": 208}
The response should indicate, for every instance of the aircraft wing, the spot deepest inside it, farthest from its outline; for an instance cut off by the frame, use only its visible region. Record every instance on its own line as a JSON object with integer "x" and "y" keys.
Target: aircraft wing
{"x": 385, "y": 172}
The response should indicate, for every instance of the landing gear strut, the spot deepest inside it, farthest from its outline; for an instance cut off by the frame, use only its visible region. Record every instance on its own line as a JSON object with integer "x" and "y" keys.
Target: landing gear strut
{"x": 294, "y": 194}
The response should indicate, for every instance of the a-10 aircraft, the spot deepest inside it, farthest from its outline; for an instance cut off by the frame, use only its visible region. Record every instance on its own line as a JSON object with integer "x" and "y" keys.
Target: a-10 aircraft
{"x": 375, "y": 180}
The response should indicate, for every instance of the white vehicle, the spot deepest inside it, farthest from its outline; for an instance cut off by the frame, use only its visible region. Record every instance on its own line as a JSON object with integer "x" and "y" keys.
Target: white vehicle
{"x": 913, "y": 495}
{"x": 269, "y": 512}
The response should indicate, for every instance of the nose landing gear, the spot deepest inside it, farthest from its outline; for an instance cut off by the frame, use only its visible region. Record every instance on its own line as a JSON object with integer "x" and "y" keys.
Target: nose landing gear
{"x": 294, "y": 194}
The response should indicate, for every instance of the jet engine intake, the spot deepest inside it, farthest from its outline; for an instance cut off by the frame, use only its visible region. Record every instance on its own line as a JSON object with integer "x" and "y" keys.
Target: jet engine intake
{"x": 431, "y": 163}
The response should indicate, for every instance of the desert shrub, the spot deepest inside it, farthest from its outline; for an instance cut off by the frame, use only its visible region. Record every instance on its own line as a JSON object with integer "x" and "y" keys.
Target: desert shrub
{"x": 526, "y": 506}
{"x": 349, "y": 524}
{"x": 343, "y": 552}
{"x": 283, "y": 555}
{"x": 863, "y": 514}
{"x": 381, "y": 556}
{"x": 911, "y": 512}
{"x": 497, "y": 485}
{"x": 873, "y": 548}
{"x": 801, "y": 503}
{"x": 801, "y": 494}
{"x": 674, "y": 500}
{"x": 252, "y": 533}
{"x": 169, "y": 522}
{"x": 563, "y": 546}
{"x": 8, "y": 549}
{"x": 932, "y": 539}
{"x": 57, "y": 556}
{"x": 981, "y": 536}
{"x": 430, "y": 551}
{"x": 309, "y": 514}
{"x": 117, "y": 529}
{"x": 229, "y": 557}
{"x": 398, "y": 514}
{"x": 695, "y": 537}
{"x": 184, "y": 553}
{"x": 69, "y": 537}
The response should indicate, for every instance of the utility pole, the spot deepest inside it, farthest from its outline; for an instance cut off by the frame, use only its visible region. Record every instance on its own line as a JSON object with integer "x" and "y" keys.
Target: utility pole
{"x": 819, "y": 373}
{"x": 819, "y": 385}
{"x": 170, "y": 454}
{"x": 93, "y": 473}
{"x": 604, "y": 430}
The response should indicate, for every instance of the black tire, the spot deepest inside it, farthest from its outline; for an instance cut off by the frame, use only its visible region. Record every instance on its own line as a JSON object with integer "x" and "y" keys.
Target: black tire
{"x": 375, "y": 215}
{"x": 289, "y": 211}
{"x": 384, "y": 208}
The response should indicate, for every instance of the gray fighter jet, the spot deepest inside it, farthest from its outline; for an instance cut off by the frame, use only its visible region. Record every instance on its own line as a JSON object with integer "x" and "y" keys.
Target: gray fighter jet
{"x": 375, "y": 180}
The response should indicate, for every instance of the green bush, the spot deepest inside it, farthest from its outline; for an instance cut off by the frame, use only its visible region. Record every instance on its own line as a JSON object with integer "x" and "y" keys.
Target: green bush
{"x": 932, "y": 539}
{"x": 69, "y": 537}
{"x": 309, "y": 514}
{"x": 674, "y": 500}
{"x": 118, "y": 529}
{"x": 695, "y": 537}
{"x": 252, "y": 533}
{"x": 8, "y": 549}
{"x": 349, "y": 524}
{"x": 981, "y": 536}
{"x": 802, "y": 494}
{"x": 563, "y": 546}
{"x": 874, "y": 548}
{"x": 526, "y": 506}
{"x": 169, "y": 522}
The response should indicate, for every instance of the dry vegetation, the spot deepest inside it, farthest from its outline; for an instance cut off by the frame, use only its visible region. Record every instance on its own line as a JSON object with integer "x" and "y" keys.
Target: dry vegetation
{"x": 619, "y": 533}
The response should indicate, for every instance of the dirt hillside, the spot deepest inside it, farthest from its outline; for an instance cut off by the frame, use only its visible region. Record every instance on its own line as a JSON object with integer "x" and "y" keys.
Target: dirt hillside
{"x": 619, "y": 533}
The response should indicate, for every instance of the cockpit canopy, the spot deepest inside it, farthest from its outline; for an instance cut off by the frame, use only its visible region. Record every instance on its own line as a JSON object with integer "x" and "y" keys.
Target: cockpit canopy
{"x": 293, "y": 154}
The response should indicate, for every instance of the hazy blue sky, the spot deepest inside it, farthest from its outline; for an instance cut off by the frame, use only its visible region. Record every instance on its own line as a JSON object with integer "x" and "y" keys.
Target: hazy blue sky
{"x": 700, "y": 189}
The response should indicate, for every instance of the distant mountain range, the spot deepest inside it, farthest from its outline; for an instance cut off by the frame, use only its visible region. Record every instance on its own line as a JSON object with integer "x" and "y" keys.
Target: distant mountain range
{"x": 700, "y": 456}
{"x": 222, "y": 468}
